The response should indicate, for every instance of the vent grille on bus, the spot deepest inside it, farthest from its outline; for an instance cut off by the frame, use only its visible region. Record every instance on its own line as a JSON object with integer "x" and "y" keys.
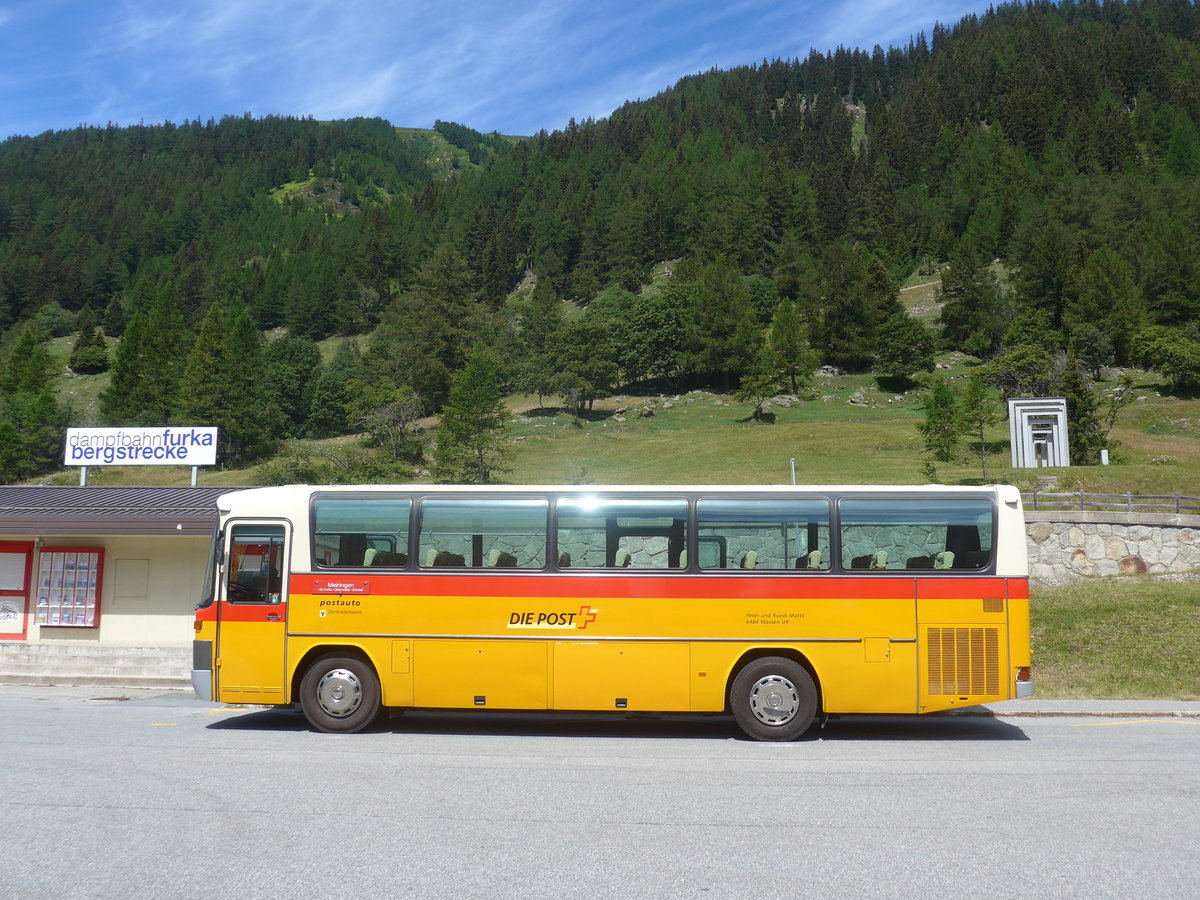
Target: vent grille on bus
{"x": 964, "y": 661}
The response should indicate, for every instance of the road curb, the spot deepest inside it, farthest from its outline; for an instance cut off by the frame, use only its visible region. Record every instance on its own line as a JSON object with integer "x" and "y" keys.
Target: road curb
{"x": 1085, "y": 708}
{"x": 140, "y": 683}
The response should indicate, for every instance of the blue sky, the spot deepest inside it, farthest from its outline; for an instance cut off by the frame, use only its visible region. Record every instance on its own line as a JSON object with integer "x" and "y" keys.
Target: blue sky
{"x": 514, "y": 66}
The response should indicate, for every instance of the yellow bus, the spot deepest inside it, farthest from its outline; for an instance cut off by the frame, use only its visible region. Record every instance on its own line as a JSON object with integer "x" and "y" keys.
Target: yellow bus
{"x": 777, "y": 605}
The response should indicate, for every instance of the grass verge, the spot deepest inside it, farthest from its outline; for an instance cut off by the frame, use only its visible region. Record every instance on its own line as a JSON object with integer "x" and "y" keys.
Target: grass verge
{"x": 1117, "y": 639}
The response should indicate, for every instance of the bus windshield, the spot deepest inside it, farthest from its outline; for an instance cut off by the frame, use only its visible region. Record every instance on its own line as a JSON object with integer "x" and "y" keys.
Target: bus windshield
{"x": 208, "y": 591}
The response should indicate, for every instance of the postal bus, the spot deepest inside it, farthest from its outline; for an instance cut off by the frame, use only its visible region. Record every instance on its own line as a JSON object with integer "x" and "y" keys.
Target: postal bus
{"x": 777, "y": 605}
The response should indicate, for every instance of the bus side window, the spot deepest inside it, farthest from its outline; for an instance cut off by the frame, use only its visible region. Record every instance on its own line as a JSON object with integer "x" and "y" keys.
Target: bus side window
{"x": 934, "y": 533}
{"x": 624, "y": 533}
{"x": 763, "y": 533}
{"x": 346, "y": 529}
{"x": 507, "y": 533}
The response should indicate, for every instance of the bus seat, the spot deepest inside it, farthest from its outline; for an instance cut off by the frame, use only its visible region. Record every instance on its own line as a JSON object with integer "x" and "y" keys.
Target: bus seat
{"x": 879, "y": 559}
{"x": 369, "y": 556}
{"x": 564, "y": 560}
{"x": 861, "y": 562}
{"x": 682, "y": 559}
{"x": 249, "y": 585}
{"x": 943, "y": 560}
{"x": 919, "y": 562}
{"x": 431, "y": 557}
{"x": 971, "y": 559}
{"x": 750, "y": 559}
{"x": 446, "y": 558}
{"x": 622, "y": 559}
{"x": 385, "y": 558}
{"x": 809, "y": 560}
{"x": 498, "y": 559}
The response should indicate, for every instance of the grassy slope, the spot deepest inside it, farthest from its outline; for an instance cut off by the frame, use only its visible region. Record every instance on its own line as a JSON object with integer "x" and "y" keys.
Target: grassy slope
{"x": 702, "y": 437}
{"x": 706, "y": 438}
{"x": 442, "y": 156}
{"x": 1117, "y": 638}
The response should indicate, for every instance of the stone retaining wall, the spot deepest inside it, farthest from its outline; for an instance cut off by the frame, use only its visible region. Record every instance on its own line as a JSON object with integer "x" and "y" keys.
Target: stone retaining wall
{"x": 1065, "y": 545}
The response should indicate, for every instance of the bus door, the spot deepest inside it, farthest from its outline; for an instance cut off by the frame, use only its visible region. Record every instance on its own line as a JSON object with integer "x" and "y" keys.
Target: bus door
{"x": 252, "y": 615}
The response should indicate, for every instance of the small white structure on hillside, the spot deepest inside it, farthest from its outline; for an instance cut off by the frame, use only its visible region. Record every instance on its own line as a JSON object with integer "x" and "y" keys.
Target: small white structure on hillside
{"x": 1037, "y": 429}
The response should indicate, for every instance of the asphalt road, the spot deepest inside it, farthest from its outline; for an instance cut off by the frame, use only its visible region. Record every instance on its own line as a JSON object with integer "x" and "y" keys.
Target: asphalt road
{"x": 161, "y": 795}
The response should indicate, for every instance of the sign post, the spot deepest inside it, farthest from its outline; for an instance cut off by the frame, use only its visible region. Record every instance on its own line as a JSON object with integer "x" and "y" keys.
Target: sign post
{"x": 171, "y": 446}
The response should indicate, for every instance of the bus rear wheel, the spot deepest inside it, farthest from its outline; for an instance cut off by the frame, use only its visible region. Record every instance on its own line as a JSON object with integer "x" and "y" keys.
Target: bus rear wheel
{"x": 773, "y": 699}
{"x": 340, "y": 694}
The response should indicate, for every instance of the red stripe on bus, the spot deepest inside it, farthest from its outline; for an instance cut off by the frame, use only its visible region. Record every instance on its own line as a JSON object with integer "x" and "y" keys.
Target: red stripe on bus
{"x": 617, "y": 586}
{"x": 253, "y": 612}
{"x": 954, "y": 588}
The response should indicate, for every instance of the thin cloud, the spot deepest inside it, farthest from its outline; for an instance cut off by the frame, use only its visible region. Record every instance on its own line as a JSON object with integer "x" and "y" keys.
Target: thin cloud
{"x": 514, "y": 67}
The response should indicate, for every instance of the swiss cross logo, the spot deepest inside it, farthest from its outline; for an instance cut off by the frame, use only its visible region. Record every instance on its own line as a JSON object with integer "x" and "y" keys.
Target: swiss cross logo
{"x": 587, "y": 615}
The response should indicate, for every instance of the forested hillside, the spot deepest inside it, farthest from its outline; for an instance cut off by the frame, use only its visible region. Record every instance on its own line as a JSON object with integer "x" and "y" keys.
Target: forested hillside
{"x": 1042, "y": 160}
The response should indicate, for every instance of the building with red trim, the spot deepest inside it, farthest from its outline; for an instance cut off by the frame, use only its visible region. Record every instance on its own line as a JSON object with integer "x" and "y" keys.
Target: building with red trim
{"x": 102, "y": 565}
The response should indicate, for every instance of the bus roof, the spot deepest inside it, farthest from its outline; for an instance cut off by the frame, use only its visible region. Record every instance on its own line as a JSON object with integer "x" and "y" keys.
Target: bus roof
{"x": 1006, "y": 493}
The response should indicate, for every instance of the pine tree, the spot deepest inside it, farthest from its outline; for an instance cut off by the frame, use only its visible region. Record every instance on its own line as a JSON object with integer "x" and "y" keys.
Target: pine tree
{"x": 856, "y": 297}
{"x": 471, "y": 444}
{"x": 724, "y": 336}
{"x": 147, "y": 368}
{"x": 255, "y": 423}
{"x": 32, "y": 422}
{"x": 292, "y": 365}
{"x": 943, "y": 422}
{"x": 979, "y": 412}
{"x": 425, "y": 333}
{"x": 89, "y": 355}
{"x": 203, "y": 396}
{"x": 904, "y": 348}
{"x": 1085, "y": 429}
{"x": 538, "y": 342}
{"x": 330, "y": 415}
{"x": 588, "y": 367}
{"x": 974, "y": 309}
{"x": 789, "y": 357}
{"x": 223, "y": 386}
{"x": 1103, "y": 293}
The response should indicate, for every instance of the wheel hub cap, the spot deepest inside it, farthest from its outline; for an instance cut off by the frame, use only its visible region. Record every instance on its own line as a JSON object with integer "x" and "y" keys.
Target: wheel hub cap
{"x": 774, "y": 700}
{"x": 339, "y": 693}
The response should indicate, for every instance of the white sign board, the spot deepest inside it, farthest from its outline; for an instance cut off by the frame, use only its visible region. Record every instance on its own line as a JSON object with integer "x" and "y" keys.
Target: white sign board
{"x": 183, "y": 446}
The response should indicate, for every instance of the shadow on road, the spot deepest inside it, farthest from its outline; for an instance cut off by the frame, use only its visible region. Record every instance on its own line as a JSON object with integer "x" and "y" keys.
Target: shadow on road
{"x": 636, "y": 725}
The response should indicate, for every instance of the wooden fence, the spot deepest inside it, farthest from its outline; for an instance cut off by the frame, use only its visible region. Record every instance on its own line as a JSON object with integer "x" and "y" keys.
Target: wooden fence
{"x": 1128, "y": 503}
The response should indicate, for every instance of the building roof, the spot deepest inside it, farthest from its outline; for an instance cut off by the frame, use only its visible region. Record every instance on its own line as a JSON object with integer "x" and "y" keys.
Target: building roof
{"x": 109, "y": 510}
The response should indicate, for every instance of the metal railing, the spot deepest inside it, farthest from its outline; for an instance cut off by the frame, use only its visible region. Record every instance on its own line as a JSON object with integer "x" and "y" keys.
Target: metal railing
{"x": 1127, "y": 502}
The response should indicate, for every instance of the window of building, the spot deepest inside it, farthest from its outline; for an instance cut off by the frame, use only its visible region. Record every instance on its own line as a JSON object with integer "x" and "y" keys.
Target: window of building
{"x": 68, "y": 587}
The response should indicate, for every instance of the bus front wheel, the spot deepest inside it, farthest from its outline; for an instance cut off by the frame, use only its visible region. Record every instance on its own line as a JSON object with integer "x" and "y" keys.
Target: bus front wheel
{"x": 339, "y": 694}
{"x": 773, "y": 699}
